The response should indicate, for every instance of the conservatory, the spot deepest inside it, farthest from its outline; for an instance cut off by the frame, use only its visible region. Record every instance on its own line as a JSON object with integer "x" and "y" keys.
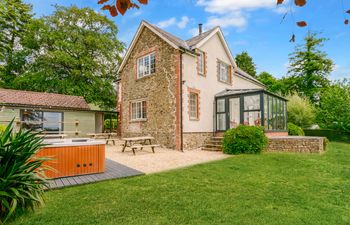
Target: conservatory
{"x": 253, "y": 107}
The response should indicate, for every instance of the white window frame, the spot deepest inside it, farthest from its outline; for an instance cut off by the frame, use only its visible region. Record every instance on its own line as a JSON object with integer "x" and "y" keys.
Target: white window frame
{"x": 146, "y": 71}
{"x": 201, "y": 62}
{"x": 224, "y": 67}
{"x": 193, "y": 108}
{"x": 138, "y": 110}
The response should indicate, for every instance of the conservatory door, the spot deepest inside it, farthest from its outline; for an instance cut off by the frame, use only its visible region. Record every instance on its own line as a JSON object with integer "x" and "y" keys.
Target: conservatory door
{"x": 234, "y": 112}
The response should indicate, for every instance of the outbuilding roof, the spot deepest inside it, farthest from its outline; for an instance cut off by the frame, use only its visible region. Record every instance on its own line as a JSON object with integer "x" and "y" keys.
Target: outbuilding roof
{"x": 21, "y": 98}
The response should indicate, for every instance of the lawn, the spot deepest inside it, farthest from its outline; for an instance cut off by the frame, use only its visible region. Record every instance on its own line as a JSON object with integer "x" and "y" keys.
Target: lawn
{"x": 271, "y": 188}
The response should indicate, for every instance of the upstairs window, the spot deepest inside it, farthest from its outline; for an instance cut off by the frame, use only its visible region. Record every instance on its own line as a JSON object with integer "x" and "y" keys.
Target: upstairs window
{"x": 139, "y": 110}
{"x": 201, "y": 63}
{"x": 224, "y": 72}
{"x": 146, "y": 65}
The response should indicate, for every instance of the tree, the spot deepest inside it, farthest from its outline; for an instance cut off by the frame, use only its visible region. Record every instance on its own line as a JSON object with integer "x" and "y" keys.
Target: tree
{"x": 300, "y": 111}
{"x": 245, "y": 62}
{"x": 271, "y": 83}
{"x": 310, "y": 67}
{"x": 333, "y": 110}
{"x": 74, "y": 51}
{"x": 14, "y": 18}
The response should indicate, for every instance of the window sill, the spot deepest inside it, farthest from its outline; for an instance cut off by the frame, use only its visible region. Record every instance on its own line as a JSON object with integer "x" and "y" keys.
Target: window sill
{"x": 144, "y": 77}
{"x": 194, "y": 119}
{"x": 138, "y": 121}
{"x": 228, "y": 83}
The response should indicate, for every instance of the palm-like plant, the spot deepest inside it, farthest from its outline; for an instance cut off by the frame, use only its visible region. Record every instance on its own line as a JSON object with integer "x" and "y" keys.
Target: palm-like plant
{"x": 21, "y": 180}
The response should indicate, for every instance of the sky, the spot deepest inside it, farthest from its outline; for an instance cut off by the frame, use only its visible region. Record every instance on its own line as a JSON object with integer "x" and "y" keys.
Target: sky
{"x": 249, "y": 25}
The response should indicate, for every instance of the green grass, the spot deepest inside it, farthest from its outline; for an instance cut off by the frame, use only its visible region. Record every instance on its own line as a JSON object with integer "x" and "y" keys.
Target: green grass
{"x": 271, "y": 188}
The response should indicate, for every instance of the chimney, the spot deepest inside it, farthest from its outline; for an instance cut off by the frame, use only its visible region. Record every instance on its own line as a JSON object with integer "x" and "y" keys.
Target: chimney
{"x": 200, "y": 28}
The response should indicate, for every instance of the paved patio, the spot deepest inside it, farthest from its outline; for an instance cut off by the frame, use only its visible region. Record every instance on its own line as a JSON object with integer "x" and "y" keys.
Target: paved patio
{"x": 113, "y": 170}
{"x": 163, "y": 159}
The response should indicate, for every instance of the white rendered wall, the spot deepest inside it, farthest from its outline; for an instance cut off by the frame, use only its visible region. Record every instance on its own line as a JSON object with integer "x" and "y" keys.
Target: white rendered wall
{"x": 209, "y": 86}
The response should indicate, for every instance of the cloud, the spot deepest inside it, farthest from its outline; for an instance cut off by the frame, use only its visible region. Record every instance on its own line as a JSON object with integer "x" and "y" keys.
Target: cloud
{"x": 234, "y": 19}
{"x": 167, "y": 23}
{"x": 235, "y": 13}
{"x": 183, "y": 23}
{"x": 227, "y": 6}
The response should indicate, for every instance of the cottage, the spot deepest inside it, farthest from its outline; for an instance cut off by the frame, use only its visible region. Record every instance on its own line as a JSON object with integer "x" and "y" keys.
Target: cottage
{"x": 184, "y": 92}
{"x": 51, "y": 113}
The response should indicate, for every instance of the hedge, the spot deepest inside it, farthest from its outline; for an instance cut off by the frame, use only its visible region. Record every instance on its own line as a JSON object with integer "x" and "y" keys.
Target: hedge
{"x": 332, "y": 135}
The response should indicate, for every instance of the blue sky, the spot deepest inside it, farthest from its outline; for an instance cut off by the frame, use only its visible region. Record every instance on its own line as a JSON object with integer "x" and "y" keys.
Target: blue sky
{"x": 252, "y": 26}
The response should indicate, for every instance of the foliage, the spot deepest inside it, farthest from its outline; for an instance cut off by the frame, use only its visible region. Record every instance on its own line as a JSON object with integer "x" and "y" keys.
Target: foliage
{"x": 14, "y": 18}
{"x": 244, "y": 139}
{"x": 2, "y": 128}
{"x": 247, "y": 189}
{"x": 120, "y": 6}
{"x": 245, "y": 62}
{"x": 332, "y": 135}
{"x": 74, "y": 51}
{"x": 310, "y": 67}
{"x": 300, "y": 111}
{"x": 272, "y": 84}
{"x": 21, "y": 182}
{"x": 333, "y": 110}
{"x": 295, "y": 130}
{"x": 110, "y": 124}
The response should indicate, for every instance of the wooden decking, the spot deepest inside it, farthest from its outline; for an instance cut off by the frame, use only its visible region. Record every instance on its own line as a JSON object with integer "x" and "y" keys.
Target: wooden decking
{"x": 114, "y": 170}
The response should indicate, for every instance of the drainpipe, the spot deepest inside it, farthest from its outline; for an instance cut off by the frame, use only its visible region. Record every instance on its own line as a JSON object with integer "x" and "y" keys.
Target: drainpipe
{"x": 181, "y": 123}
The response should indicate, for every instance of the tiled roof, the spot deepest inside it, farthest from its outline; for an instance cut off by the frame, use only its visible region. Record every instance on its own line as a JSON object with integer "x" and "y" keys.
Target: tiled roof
{"x": 42, "y": 99}
{"x": 195, "y": 40}
{"x": 240, "y": 72}
{"x": 172, "y": 38}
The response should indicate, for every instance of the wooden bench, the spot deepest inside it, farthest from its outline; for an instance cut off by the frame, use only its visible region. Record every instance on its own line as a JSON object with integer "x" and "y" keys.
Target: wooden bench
{"x": 112, "y": 140}
{"x": 140, "y": 147}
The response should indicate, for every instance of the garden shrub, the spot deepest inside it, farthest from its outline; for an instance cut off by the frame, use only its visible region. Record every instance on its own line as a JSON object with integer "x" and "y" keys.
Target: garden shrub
{"x": 244, "y": 139}
{"x": 111, "y": 124}
{"x": 301, "y": 112}
{"x": 21, "y": 182}
{"x": 295, "y": 130}
{"x": 331, "y": 135}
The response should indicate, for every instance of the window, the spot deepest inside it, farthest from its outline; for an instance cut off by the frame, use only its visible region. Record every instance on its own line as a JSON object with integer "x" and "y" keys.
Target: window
{"x": 252, "y": 113}
{"x": 224, "y": 72}
{"x": 220, "y": 114}
{"x": 146, "y": 65}
{"x": 42, "y": 121}
{"x": 194, "y": 106}
{"x": 201, "y": 63}
{"x": 234, "y": 112}
{"x": 252, "y": 102}
{"x": 139, "y": 110}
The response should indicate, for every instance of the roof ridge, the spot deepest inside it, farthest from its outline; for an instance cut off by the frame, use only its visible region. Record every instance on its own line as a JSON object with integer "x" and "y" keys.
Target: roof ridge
{"x": 40, "y": 92}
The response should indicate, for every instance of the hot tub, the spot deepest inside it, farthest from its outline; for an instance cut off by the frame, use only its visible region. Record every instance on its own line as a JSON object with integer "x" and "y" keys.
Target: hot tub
{"x": 72, "y": 157}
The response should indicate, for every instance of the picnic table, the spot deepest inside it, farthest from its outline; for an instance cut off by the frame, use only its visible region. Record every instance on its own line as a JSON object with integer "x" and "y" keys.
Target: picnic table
{"x": 138, "y": 143}
{"x": 108, "y": 136}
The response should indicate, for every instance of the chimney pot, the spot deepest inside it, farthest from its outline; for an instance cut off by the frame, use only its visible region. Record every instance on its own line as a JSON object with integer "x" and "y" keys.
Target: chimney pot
{"x": 200, "y": 27}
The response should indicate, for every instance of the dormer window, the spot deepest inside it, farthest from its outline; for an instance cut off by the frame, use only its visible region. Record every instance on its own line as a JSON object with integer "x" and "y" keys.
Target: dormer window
{"x": 146, "y": 65}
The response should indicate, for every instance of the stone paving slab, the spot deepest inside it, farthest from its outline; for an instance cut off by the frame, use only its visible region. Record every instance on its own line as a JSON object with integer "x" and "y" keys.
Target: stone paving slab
{"x": 114, "y": 170}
